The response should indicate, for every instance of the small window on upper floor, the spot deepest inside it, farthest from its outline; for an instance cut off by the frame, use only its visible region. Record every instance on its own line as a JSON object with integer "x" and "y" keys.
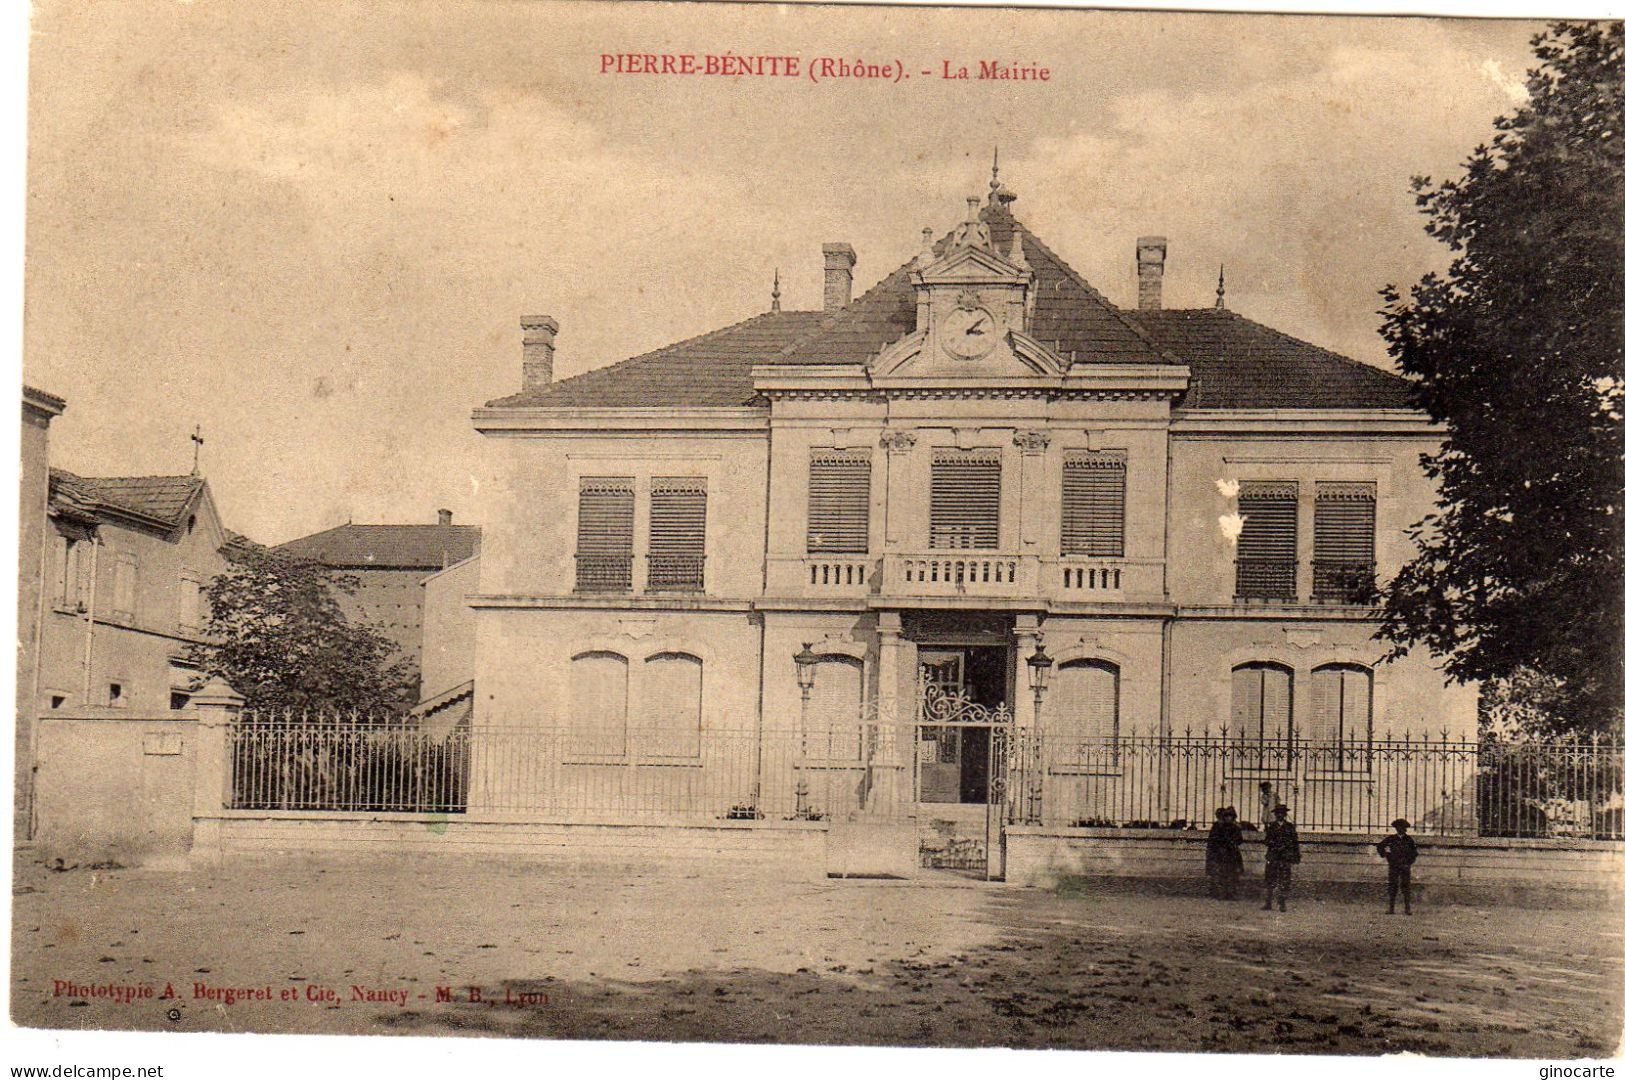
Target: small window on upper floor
{"x": 1092, "y": 490}
{"x": 838, "y": 502}
{"x": 116, "y": 697}
{"x": 604, "y": 534}
{"x": 965, "y": 500}
{"x": 1267, "y": 549}
{"x": 1345, "y": 557}
{"x": 677, "y": 506}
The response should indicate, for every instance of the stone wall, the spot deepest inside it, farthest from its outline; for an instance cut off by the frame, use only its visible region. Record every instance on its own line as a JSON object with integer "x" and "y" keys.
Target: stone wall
{"x": 1044, "y": 857}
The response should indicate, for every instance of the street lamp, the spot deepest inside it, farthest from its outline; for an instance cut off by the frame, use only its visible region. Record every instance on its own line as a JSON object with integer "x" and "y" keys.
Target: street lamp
{"x": 806, "y": 670}
{"x": 1038, "y": 667}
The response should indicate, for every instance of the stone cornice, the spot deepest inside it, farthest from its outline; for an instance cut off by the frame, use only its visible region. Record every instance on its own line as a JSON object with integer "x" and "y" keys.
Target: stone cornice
{"x": 599, "y": 421}
{"x": 1274, "y": 422}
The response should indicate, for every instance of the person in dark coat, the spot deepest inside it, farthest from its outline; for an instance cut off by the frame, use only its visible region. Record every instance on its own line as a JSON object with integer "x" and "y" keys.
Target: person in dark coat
{"x": 1280, "y": 856}
{"x": 1400, "y": 851}
{"x": 1224, "y": 865}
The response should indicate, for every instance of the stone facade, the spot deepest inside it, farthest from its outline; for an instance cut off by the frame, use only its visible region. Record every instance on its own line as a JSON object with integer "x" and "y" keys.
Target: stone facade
{"x": 990, "y": 351}
{"x": 39, "y": 409}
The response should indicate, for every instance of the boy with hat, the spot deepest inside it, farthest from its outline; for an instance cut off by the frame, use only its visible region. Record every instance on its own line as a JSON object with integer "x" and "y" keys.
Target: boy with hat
{"x": 1400, "y": 851}
{"x": 1280, "y": 856}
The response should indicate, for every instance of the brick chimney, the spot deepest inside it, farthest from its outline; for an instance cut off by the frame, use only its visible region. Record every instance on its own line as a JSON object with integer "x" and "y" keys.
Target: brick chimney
{"x": 839, "y": 259}
{"x": 539, "y": 333}
{"x": 445, "y": 517}
{"x": 1151, "y": 252}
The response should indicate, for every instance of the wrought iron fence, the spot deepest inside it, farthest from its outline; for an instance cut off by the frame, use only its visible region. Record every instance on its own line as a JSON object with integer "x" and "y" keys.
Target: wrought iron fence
{"x": 289, "y": 760}
{"x": 1443, "y": 786}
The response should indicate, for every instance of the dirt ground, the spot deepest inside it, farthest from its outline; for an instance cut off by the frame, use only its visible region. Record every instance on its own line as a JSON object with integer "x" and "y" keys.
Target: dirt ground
{"x": 533, "y": 951}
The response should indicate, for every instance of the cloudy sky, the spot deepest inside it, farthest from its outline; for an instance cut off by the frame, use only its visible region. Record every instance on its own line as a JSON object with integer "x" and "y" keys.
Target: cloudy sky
{"x": 314, "y": 234}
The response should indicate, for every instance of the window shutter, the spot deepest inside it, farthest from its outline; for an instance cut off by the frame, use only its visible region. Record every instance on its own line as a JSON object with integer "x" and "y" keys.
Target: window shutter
{"x": 604, "y": 535}
{"x": 838, "y": 502}
{"x": 124, "y": 580}
{"x": 1267, "y": 550}
{"x": 1326, "y": 695}
{"x": 1246, "y": 701}
{"x": 1088, "y": 699}
{"x": 1092, "y": 487}
{"x": 677, "y": 532}
{"x": 965, "y": 501}
{"x": 671, "y": 694}
{"x": 1345, "y": 540}
{"x": 1277, "y": 704}
{"x": 598, "y": 704}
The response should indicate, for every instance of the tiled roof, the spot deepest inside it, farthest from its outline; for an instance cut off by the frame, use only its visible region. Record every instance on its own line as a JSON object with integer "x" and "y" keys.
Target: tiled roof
{"x": 401, "y": 547}
{"x": 1069, "y": 316}
{"x": 1236, "y": 363}
{"x": 161, "y": 498}
{"x": 709, "y": 370}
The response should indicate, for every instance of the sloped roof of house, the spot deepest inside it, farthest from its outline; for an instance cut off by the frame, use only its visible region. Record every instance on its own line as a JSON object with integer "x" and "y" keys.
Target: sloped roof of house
{"x": 387, "y": 547}
{"x": 160, "y": 498}
{"x": 709, "y": 370}
{"x": 1235, "y": 363}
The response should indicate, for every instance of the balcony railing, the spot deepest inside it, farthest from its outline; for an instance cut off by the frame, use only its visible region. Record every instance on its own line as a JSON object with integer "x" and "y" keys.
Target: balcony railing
{"x": 960, "y": 574}
{"x": 1266, "y": 579}
{"x": 1344, "y": 581}
{"x": 603, "y": 573}
{"x": 676, "y": 573}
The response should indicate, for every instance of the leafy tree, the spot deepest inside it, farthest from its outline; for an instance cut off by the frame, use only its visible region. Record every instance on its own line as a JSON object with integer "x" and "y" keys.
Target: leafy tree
{"x": 277, "y": 635}
{"x": 1519, "y": 350}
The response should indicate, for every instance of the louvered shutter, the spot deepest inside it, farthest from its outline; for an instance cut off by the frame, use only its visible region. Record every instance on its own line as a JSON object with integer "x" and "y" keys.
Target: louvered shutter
{"x": 1092, "y": 487}
{"x": 598, "y": 704}
{"x": 671, "y": 693}
{"x": 965, "y": 501}
{"x": 1261, "y": 710}
{"x": 1326, "y": 705}
{"x": 1277, "y": 703}
{"x": 677, "y": 532}
{"x": 1267, "y": 550}
{"x": 838, "y": 502}
{"x": 1345, "y": 540}
{"x": 604, "y": 534}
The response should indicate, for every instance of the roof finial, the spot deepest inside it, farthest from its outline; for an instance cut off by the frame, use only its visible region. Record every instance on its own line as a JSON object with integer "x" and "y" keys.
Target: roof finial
{"x": 1219, "y": 300}
{"x": 775, "y": 288}
{"x": 197, "y": 446}
{"x": 993, "y": 186}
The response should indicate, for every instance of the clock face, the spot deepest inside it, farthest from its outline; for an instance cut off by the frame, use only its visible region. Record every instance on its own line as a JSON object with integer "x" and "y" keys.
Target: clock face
{"x": 969, "y": 333}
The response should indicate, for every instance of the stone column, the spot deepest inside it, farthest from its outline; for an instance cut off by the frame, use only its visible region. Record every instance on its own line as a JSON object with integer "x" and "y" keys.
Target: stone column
{"x": 893, "y": 737}
{"x": 1021, "y": 704}
{"x": 218, "y": 708}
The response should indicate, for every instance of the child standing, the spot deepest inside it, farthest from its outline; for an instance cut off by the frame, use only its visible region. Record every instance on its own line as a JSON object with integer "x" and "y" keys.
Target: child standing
{"x": 1400, "y": 851}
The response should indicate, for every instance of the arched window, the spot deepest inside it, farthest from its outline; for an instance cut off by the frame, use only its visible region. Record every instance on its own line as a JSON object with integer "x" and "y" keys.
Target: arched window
{"x": 834, "y": 710}
{"x": 597, "y": 704}
{"x": 1261, "y": 713}
{"x": 1080, "y": 714}
{"x": 1340, "y": 717}
{"x": 671, "y": 694}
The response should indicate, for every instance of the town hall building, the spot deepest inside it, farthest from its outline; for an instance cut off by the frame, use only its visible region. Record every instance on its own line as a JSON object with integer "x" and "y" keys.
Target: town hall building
{"x": 978, "y": 535}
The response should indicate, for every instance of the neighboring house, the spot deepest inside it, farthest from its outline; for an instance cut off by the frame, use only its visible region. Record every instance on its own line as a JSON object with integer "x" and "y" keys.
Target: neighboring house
{"x": 390, "y": 562}
{"x": 128, "y": 560}
{"x": 447, "y": 686}
{"x": 39, "y": 409}
{"x": 981, "y": 453}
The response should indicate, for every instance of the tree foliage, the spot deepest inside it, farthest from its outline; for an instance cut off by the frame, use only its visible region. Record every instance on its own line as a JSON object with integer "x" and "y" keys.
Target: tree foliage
{"x": 276, "y": 633}
{"x": 1519, "y": 350}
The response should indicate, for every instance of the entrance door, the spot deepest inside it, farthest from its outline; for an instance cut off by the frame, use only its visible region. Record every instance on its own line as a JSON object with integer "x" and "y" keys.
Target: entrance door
{"x": 954, "y": 754}
{"x": 941, "y": 761}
